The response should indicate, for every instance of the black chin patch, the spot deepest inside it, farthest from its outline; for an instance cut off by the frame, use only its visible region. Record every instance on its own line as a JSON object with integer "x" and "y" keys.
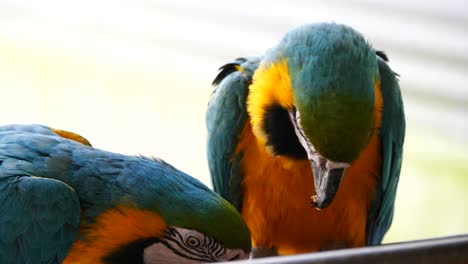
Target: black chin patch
{"x": 281, "y": 134}
{"x": 130, "y": 253}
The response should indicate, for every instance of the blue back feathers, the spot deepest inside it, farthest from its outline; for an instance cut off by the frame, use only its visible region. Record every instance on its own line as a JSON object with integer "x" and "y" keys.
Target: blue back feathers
{"x": 96, "y": 181}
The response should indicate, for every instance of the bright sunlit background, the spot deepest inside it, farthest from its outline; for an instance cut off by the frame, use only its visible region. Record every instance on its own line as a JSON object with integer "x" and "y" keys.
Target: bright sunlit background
{"x": 134, "y": 77}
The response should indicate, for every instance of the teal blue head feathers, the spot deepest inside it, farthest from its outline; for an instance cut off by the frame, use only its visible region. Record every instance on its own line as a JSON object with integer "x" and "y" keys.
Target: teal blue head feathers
{"x": 323, "y": 76}
{"x": 333, "y": 71}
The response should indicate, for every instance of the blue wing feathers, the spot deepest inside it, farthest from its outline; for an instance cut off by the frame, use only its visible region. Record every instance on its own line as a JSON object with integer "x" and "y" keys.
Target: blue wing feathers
{"x": 46, "y": 179}
{"x": 225, "y": 119}
{"x": 34, "y": 212}
{"x": 35, "y": 129}
{"x": 392, "y": 135}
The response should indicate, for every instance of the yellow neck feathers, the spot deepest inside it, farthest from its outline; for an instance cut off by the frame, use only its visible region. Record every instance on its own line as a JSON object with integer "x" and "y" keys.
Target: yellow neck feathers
{"x": 271, "y": 85}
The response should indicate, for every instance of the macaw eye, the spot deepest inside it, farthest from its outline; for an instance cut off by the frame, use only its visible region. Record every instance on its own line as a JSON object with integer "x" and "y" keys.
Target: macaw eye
{"x": 193, "y": 241}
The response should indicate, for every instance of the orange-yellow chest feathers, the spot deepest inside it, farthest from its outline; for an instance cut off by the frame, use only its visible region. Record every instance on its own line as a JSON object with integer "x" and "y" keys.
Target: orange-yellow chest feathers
{"x": 277, "y": 189}
{"x": 111, "y": 230}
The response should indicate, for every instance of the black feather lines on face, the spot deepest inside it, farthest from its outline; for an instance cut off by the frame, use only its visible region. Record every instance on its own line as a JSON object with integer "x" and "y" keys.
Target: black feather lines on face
{"x": 204, "y": 249}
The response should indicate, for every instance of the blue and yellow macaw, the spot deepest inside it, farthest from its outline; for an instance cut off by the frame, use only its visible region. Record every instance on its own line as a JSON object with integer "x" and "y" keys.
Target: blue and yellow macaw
{"x": 318, "y": 120}
{"x": 62, "y": 200}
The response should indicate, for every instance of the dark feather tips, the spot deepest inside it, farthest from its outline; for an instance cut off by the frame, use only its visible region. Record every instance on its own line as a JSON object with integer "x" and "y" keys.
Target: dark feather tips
{"x": 382, "y": 55}
{"x": 227, "y": 69}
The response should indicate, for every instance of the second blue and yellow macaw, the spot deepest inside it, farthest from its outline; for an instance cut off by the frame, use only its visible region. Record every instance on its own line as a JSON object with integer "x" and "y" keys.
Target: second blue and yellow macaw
{"x": 62, "y": 201}
{"x": 317, "y": 121}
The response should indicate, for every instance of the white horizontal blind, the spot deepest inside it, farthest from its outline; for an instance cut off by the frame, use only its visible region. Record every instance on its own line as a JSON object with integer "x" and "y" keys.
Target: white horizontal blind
{"x": 427, "y": 41}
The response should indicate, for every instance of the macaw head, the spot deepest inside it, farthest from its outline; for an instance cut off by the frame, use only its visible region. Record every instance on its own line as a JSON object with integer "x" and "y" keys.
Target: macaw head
{"x": 204, "y": 228}
{"x": 313, "y": 98}
{"x": 169, "y": 218}
{"x": 187, "y": 240}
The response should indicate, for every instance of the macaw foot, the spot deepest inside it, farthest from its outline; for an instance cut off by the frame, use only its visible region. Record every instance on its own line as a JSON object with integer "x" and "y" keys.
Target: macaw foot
{"x": 263, "y": 252}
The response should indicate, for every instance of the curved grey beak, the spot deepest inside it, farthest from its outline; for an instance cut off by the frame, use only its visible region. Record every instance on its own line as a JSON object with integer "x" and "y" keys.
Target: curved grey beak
{"x": 327, "y": 173}
{"x": 327, "y": 182}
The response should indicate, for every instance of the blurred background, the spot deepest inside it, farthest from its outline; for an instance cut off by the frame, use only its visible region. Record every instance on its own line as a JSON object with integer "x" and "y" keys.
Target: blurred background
{"x": 134, "y": 77}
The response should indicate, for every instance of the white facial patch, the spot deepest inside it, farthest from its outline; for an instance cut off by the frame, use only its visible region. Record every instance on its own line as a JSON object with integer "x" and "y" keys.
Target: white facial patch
{"x": 181, "y": 245}
{"x": 306, "y": 144}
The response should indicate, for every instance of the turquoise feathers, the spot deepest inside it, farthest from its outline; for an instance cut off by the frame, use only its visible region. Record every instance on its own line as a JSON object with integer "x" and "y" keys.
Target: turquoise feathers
{"x": 225, "y": 119}
{"x": 392, "y": 134}
{"x": 45, "y": 180}
{"x": 333, "y": 72}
